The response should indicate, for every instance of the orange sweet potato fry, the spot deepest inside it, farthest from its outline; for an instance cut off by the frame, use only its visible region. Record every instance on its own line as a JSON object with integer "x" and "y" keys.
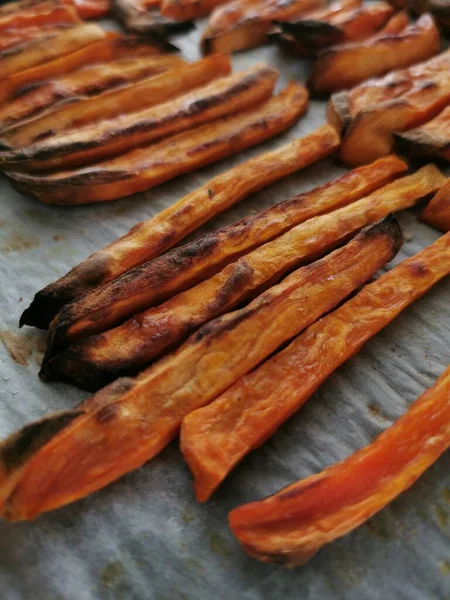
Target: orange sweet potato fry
{"x": 344, "y": 66}
{"x": 214, "y": 439}
{"x": 16, "y": 37}
{"x": 130, "y": 421}
{"x": 92, "y": 9}
{"x": 144, "y": 18}
{"x": 437, "y": 212}
{"x": 149, "y": 166}
{"x": 40, "y": 14}
{"x": 430, "y": 139}
{"x": 187, "y": 10}
{"x": 127, "y": 349}
{"x": 110, "y": 137}
{"x": 291, "y": 526}
{"x": 180, "y": 269}
{"x": 148, "y": 240}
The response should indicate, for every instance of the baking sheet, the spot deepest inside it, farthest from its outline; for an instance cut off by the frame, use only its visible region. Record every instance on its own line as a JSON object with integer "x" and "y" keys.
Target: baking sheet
{"x": 145, "y": 536}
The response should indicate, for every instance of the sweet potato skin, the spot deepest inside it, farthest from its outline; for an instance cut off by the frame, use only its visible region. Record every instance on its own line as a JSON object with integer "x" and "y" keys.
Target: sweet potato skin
{"x": 181, "y": 268}
{"x": 101, "y": 140}
{"x": 343, "y": 67}
{"x": 144, "y": 168}
{"x": 111, "y": 437}
{"x": 437, "y": 212}
{"x": 430, "y": 139}
{"x": 215, "y": 438}
{"x": 291, "y": 526}
{"x": 149, "y": 239}
{"x": 130, "y": 347}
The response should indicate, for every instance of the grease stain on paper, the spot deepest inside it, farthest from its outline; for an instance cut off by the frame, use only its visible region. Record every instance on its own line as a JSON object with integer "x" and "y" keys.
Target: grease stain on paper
{"x": 219, "y": 545}
{"x": 15, "y": 242}
{"x": 112, "y": 573}
{"x": 22, "y": 346}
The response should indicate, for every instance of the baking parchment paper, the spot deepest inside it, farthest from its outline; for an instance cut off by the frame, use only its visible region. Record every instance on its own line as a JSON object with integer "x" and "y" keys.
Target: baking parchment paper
{"x": 145, "y": 536}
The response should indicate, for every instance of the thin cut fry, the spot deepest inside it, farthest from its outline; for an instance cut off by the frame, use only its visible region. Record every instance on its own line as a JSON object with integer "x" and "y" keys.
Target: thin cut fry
{"x": 291, "y": 526}
{"x": 430, "y": 139}
{"x": 100, "y": 140}
{"x": 131, "y": 420}
{"x": 343, "y": 67}
{"x": 151, "y": 238}
{"x": 214, "y": 439}
{"x": 127, "y": 349}
{"x": 147, "y": 167}
{"x": 180, "y": 269}
{"x": 437, "y": 212}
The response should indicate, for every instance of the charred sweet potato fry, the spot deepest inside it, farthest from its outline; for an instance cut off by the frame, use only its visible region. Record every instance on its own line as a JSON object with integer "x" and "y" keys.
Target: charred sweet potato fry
{"x": 186, "y": 10}
{"x": 147, "y": 167}
{"x": 242, "y": 24}
{"x": 183, "y": 267}
{"x": 148, "y": 240}
{"x": 143, "y": 17}
{"x": 430, "y": 139}
{"x": 131, "y": 420}
{"x": 148, "y": 91}
{"x": 342, "y": 67}
{"x": 215, "y": 438}
{"x": 440, "y": 9}
{"x": 130, "y": 347}
{"x": 291, "y": 526}
{"x": 371, "y": 112}
{"x": 104, "y": 139}
{"x": 437, "y": 212}
{"x": 90, "y": 84}
{"x": 35, "y": 53}
{"x": 113, "y": 47}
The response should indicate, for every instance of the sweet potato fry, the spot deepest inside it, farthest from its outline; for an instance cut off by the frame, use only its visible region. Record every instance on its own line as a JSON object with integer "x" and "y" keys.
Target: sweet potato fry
{"x": 131, "y": 420}
{"x": 187, "y": 10}
{"x": 147, "y": 167}
{"x": 37, "y": 52}
{"x": 90, "y": 84}
{"x": 38, "y": 15}
{"x": 130, "y": 347}
{"x": 440, "y": 9}
{"x": 17, "y": 37}
{"x": 148, "y": 240}
{"x": 180, "y": 269}
{"x": 92, "y": 9}
{"x": 430, "y": 139}
{"x": 437, "y": 212}
{"x": 144, "y": 18}
{"x": 104, "y": 139}
{"x": 146, "y": 92}
{"x": 242, "y": 24}
{"x": 215, "y": 438}
{"x": 112, "y": 47}
{"x": 291, "y": 526}
{"x": 344, "y": 66}
{"x": 371, "y": 112}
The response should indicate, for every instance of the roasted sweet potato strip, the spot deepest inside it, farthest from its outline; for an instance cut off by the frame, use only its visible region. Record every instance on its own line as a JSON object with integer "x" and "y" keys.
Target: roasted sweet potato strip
{"x": 215, "y": 438}
{"x": 112, "y": 47}
{"x": 147, "y": 167}
{"x": 100, "y": 140}
{"x": 37, "y": 52}
{"x": 11, "y": 39}
{"x": 186, "y": 10}
{"x": 437, "y": 213}
{"x": 127, "y": 349}
{"x": 181, "y": 268}
{"x": 145, "y": 18}
{"x": 430, "y": 139}
{"x": 88, "y": 84}
{"x": 291, "y": 526}
{"x": 39, "y": 15}
{"x": 149, "y": 239}
{"x": 177, "y": 78}
{"x": 131, "y": 420}
{"x": 242, "y": 24}
{"x": 343, "y": 67}
{"x": 92, "y": 9}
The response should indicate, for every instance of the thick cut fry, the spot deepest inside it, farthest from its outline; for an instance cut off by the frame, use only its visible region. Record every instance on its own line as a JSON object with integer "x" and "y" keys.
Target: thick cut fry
{"x": 39, "y": 15}
{"x": 180, "y": 269}
{"x": 148, "y": 91}
{"x": 187, "y": 10}
{"x": 41, "y": 51}
{"x": 148, "y": 240}
{"x": 214, "y": 439}
{"x": 147, "y": 167}
{"x": 343, "y": 67}
{"x": 291, "y": 526}
{"x": 242, "y": 24}
{"x": 144, "y": 18}
{"x": 131, "y": 420}
{"x": 437, "y": 213}
{"x": 440, "y": 9}
{"x": 104, "y": 139}
{"x": 112, "y": 47}
{"x": 430, "y": 139}
{"x": 92, "y": 83}
{"x": 130, "y": 347}
{"x": 371, "y": 112}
